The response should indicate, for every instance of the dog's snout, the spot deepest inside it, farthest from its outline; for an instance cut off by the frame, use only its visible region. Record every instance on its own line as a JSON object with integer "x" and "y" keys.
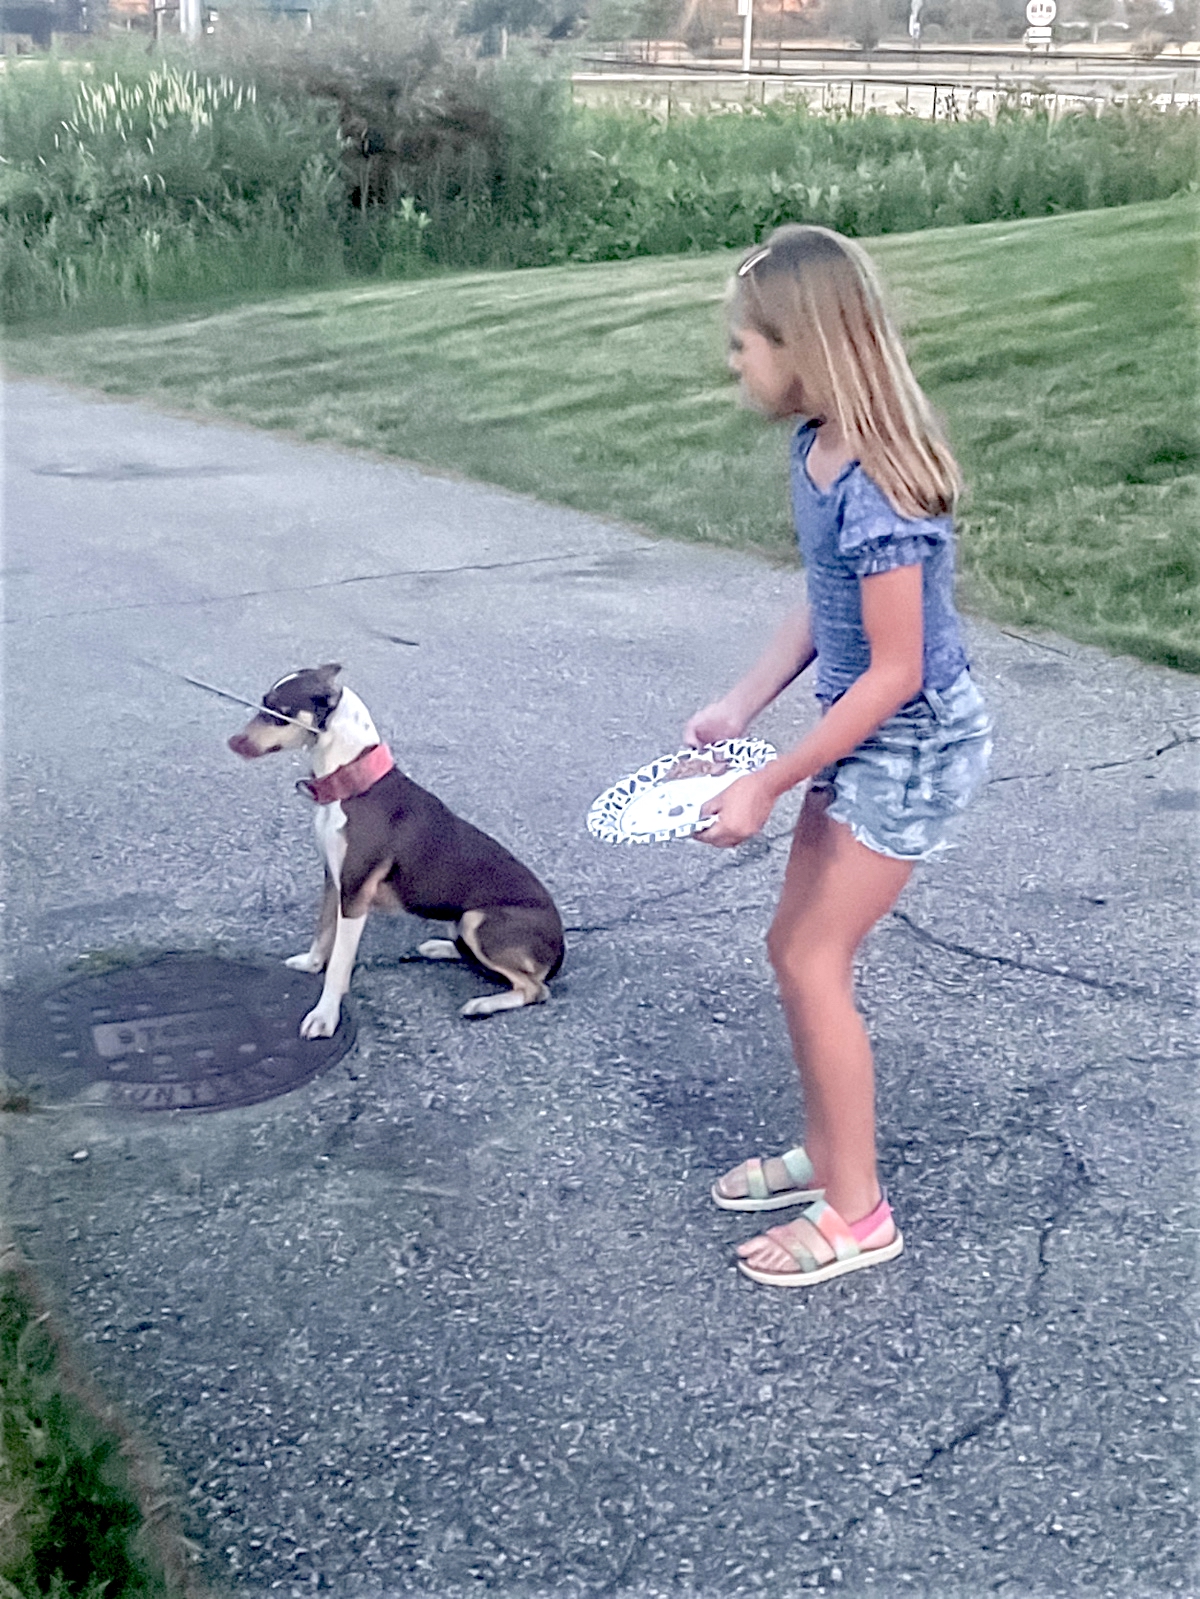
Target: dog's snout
{"x": 246, "y": 748}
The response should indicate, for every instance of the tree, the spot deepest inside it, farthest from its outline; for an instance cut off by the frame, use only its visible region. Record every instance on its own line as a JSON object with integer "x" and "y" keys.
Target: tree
{"x": 1182, "y": 22}
{"x": 1093, "y": 12}
{"x": 861, "y": 20}
{"x": 517, "y": 16}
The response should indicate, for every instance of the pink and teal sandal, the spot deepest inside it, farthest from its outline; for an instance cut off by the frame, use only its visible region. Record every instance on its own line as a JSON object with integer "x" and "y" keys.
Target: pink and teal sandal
{"x": 843, "y": 1237}
{"x": 759, "y": 1196}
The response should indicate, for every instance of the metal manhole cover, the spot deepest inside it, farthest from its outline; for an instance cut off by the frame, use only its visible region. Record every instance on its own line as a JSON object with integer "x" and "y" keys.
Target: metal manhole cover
{"x": 183, "y": 1032}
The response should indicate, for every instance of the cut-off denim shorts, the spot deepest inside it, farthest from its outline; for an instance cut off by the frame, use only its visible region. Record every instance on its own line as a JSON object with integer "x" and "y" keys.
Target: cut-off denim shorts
{"x": 899, "y": 790}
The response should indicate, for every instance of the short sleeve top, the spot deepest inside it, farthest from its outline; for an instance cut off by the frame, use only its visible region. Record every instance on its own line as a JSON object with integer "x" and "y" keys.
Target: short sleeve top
{"x": 853, "y": 531}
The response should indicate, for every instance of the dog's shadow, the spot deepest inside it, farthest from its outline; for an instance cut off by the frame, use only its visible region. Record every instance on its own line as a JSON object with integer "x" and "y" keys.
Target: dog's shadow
{"x": 390, "y": 942}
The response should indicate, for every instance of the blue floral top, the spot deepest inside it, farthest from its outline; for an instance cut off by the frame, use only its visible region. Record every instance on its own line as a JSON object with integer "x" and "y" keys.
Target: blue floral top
{"x": 853, "y": 532}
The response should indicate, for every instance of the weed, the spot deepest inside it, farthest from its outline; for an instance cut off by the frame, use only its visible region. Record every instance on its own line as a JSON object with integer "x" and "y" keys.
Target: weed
{"x": 119, "y": 958}
{"x": 14, "y": 1101}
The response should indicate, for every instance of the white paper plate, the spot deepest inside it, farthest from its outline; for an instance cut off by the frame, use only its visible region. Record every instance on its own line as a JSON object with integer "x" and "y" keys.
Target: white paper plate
{"x": 649, "y": 808}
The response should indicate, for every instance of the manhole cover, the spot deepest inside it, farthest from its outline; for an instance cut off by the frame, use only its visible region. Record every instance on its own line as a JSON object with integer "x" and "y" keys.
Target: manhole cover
{"x": 184, "y": 1032}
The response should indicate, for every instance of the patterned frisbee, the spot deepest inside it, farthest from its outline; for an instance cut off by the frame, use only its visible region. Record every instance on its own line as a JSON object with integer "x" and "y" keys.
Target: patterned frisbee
{"x": 663, "y": 799}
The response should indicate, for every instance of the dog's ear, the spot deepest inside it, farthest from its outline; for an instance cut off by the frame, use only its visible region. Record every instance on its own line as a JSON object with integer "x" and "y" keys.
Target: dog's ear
{"x": 328, "y": 700}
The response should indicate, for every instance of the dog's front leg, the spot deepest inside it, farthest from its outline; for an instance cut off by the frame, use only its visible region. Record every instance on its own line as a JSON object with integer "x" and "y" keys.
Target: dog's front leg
{"x": 315, "y": 957}
{"x": 322, "y": 1020}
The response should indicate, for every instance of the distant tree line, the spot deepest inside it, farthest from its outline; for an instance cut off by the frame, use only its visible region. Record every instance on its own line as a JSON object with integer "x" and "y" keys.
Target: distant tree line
{"x": 491, "y": 26}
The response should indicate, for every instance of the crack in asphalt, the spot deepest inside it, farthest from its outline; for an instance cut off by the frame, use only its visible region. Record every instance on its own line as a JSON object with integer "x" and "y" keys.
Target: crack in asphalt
{"x": 1114, "y": 986}
{"x": 1117, "y": 988}
{"x": 304, "y": 588}
{"x": 976, "y": 1429}
{"x": 1036, "y": 644}
{"x": 737, "y": 862}
{"x": 914, "y": 1478}
{"x": 1065, "y": 1190}
{"x": 1177, "y": 742}
{"x": 1073, "y": 1179}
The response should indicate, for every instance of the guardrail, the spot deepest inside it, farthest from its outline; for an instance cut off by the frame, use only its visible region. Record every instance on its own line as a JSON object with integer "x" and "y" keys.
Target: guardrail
{"x": 1013, "y": 56}
{"x": 825, "y": 83}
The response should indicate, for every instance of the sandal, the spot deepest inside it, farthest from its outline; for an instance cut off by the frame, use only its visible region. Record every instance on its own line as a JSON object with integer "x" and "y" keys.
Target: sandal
{"x": 845, "y": 1239}
{"x": 759, "y": 1196}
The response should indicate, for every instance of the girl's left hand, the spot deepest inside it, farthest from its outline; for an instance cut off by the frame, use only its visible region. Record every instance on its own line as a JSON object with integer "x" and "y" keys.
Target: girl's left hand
{"x": 742, "y": 809}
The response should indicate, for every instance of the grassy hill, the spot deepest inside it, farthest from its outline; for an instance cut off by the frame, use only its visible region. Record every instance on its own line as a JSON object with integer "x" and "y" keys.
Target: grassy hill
{"x": 1062, "y": 352}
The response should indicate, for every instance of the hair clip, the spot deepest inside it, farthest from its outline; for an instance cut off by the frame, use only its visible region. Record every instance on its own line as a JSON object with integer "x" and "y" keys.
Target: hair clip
{"x": 752, "y": 261}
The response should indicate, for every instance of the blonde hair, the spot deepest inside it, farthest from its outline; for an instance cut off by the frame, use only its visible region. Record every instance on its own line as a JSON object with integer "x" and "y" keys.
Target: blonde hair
{"x": 815, "y": 295}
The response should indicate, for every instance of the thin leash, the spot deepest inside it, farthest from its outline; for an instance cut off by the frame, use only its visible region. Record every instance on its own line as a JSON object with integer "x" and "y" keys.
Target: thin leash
{"x": 222, "y": 693}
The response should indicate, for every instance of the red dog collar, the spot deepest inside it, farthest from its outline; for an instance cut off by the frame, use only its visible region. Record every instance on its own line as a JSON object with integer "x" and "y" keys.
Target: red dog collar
{"x": 355, "y": 778}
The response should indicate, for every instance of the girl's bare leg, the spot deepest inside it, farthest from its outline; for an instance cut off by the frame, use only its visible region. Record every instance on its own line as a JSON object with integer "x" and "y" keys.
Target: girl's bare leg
{"x": 834, "y": 892}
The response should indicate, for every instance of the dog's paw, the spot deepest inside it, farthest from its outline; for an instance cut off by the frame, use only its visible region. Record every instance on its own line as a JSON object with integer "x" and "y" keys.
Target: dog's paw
{"x": 439, "y": 949}
{"x": 320, "y": 1023}
{"x": 491, "y": 1004}
{"x": 308, "y": 962}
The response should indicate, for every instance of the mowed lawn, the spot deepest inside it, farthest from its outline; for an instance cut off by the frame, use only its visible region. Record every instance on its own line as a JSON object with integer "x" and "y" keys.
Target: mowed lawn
{"x": 1061, "y": 351}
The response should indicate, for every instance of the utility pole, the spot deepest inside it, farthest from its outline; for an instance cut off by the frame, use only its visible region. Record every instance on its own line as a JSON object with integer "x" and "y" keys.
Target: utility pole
{"x": 746, "y": 12}
{"x": 189, "y": 19}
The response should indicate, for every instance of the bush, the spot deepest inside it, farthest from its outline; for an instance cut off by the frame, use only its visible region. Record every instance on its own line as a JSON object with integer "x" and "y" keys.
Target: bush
{"x": 722, "y": 180}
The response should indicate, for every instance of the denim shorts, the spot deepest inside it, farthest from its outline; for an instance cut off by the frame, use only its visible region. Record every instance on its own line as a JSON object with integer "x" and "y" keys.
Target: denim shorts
{"x": 901, "y": 787}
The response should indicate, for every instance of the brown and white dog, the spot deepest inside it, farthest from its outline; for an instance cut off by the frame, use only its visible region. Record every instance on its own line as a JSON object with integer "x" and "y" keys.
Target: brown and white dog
{"x": 389, "y": 844}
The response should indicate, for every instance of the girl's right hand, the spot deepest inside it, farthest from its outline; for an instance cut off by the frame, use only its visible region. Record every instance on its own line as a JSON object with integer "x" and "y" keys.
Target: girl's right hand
{"x": 715, "y": 721}
{"x": 742, "y": 810}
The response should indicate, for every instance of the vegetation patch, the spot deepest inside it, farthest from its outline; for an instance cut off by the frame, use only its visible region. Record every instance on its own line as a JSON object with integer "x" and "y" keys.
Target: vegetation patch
{"x": 74, "y": 1520}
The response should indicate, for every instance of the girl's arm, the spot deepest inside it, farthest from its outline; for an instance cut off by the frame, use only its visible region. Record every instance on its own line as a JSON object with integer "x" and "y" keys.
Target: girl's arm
{"x": 789, "y": 651}
{"x": 892, "y": 613}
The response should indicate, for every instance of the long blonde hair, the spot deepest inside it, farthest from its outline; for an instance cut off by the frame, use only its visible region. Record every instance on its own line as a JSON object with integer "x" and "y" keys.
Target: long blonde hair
{"x": 814, "y": 294}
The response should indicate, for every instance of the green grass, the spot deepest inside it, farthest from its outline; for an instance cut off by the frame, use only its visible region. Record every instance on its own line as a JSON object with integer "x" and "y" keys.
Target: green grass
{"x": 1060, "y": 350}
{"x": 72, "y": 1523}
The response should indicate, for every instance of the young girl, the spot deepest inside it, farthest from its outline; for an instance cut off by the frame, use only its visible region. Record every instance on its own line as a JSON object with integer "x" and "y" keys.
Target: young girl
{"x": 903, "y": 740}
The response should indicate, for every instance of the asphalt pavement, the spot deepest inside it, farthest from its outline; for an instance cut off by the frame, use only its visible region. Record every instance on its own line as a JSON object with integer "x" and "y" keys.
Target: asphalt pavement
{"x": 458, "y": 1316}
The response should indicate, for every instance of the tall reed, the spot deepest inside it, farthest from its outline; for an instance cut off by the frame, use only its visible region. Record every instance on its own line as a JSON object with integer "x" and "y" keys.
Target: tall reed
{"x": 162, "y": 184}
